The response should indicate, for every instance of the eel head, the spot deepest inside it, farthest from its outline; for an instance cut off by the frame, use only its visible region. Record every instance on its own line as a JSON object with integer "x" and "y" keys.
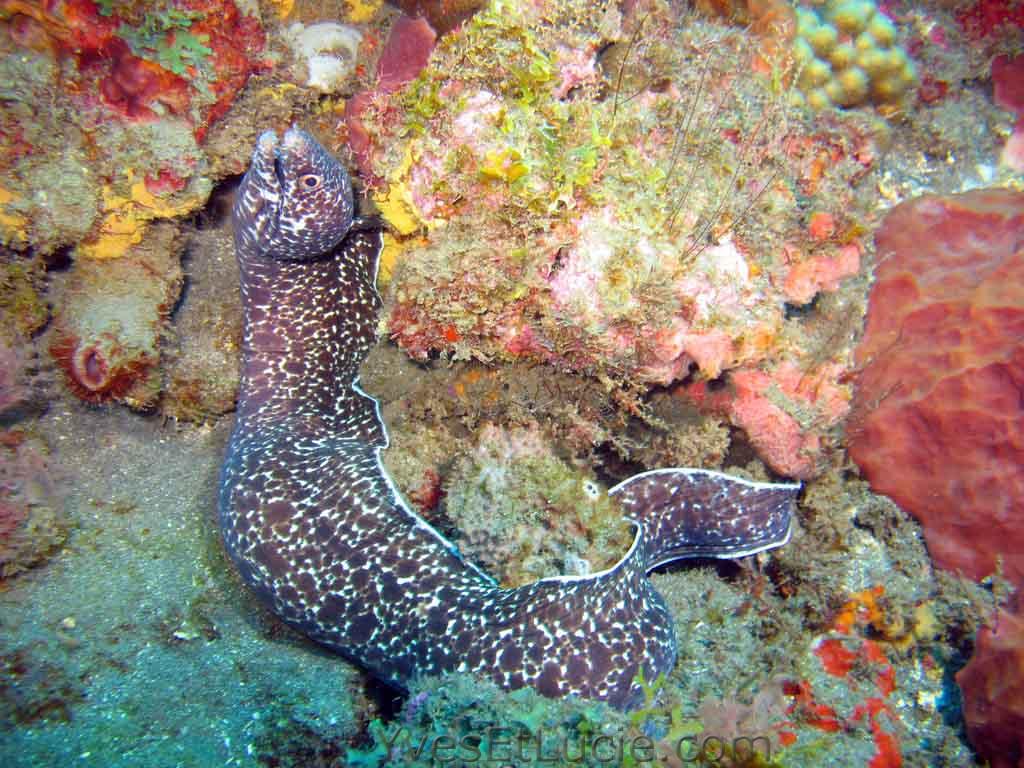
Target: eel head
{"x": 295, "y": 202}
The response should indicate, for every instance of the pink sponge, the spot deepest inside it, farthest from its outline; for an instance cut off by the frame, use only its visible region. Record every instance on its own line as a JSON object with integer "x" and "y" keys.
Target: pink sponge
{"x": 938, "y": 419}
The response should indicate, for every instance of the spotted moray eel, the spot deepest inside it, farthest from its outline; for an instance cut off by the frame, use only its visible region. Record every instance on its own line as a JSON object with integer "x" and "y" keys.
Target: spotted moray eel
{"x": 318, "y": 529}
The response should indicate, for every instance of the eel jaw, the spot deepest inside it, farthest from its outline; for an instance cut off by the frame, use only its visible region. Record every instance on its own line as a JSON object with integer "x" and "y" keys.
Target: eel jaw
{"x": 266, "y": 173}
{"x": 260, "y": 199}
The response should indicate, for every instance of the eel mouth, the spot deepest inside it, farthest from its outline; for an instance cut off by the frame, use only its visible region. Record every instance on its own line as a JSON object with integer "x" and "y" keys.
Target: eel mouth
{"x": 267, "y": 159}
{"x": 279, "y": 169}
{"x": 266, "y": 177}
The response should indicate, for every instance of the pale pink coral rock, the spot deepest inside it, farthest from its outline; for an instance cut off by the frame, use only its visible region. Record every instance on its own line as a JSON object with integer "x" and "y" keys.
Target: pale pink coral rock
{"x": 575, "y": 68}
{"x": 774, "y": 433}
{"x": 519, "y": 338}
{"x": 712, "y": 350}
{"x": 1012, "y": 155}
{"x": 807, "y": 277}
{"x": 667, "y": 358}
{"x": 575, "y": 286}
{"x": 677, "y": 345}
{"x": 422, "y": 175}
{"x": 719, "y": 286}
{"x": 475, "y": 121}
{"x": 784, "y": 413}
{"x": 818, "y": 389}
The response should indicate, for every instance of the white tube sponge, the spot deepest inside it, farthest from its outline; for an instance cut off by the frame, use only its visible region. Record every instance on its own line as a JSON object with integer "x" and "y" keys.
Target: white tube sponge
{"x": 329, "y": 51}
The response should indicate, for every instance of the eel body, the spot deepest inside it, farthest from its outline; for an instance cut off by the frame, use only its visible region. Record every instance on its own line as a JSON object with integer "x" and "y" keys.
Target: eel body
{"x": 318, "y": 529}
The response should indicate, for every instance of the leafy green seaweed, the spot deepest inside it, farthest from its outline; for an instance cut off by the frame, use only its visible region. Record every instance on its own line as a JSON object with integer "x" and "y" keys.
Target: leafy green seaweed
{"x": 165, "y": 37}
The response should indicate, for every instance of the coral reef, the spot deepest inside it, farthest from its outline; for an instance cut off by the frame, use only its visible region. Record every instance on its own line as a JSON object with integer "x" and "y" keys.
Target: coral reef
{"x": 937, "y": 420}
{"x": 110, "y": 320}
{"x": 23, "y": 308}
{"x": 559, "y": 216}
{"x": 778, "y": 412}
{"x": 841, "y": 697}
{"x": 622, "y": 237}
{"x": 200, "y": 359}
{"x": 23, "y": 313}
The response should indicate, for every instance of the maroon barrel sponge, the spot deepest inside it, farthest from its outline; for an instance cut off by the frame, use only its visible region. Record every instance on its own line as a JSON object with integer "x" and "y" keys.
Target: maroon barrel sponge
{"x": 937, "y": 420}
{"x": 993, "y": 689}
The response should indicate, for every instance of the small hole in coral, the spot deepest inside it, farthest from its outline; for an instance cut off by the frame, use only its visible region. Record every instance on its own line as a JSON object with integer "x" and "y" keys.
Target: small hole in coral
{"x": 94, "y": 369}
{"x": 217, "y": 210}
{"x": 797, "y": 311}
{"x": 718, "y": 384}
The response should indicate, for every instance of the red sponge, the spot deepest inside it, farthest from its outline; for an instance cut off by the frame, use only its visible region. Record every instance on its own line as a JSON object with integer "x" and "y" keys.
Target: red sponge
{"x": 993, "y": 688}
{"x": 939, "y": 408}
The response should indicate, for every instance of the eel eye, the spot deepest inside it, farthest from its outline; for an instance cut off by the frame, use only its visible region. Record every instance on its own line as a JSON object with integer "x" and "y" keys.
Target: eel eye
{"x": 310, "y": 181}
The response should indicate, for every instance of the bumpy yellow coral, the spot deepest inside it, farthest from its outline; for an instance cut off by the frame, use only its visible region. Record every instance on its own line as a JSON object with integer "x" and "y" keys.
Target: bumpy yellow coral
{"x": 847, "y": 55}
{"x": 390, "y": 255}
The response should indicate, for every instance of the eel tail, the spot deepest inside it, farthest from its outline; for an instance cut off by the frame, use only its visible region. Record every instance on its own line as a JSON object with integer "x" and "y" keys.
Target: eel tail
{"x": 686, "y": 513}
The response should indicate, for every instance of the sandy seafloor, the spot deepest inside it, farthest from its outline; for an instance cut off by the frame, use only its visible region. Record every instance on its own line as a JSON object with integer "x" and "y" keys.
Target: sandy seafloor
{"x": 136, "y": 645}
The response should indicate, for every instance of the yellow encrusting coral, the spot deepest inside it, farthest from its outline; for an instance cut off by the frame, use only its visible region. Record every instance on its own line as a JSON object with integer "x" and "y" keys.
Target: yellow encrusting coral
{"x": 363, "y": 11}
{"x": 125, "y": 219}
{"x": 847, "y": 55}
{"x": 12, "y": 225}
{"x": 283, "y": 7}
{"x": 389, "y": 257}
{"x": 395, "y": 200}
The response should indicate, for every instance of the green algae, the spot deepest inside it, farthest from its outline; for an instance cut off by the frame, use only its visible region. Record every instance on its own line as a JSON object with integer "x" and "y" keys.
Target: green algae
{"x": 474, "y": 722}
{"x": 163, "y": 36}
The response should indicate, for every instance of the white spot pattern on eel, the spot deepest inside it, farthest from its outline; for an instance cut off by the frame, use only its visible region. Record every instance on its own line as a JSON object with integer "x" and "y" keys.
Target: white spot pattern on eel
{"x": 317, "y": 528}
